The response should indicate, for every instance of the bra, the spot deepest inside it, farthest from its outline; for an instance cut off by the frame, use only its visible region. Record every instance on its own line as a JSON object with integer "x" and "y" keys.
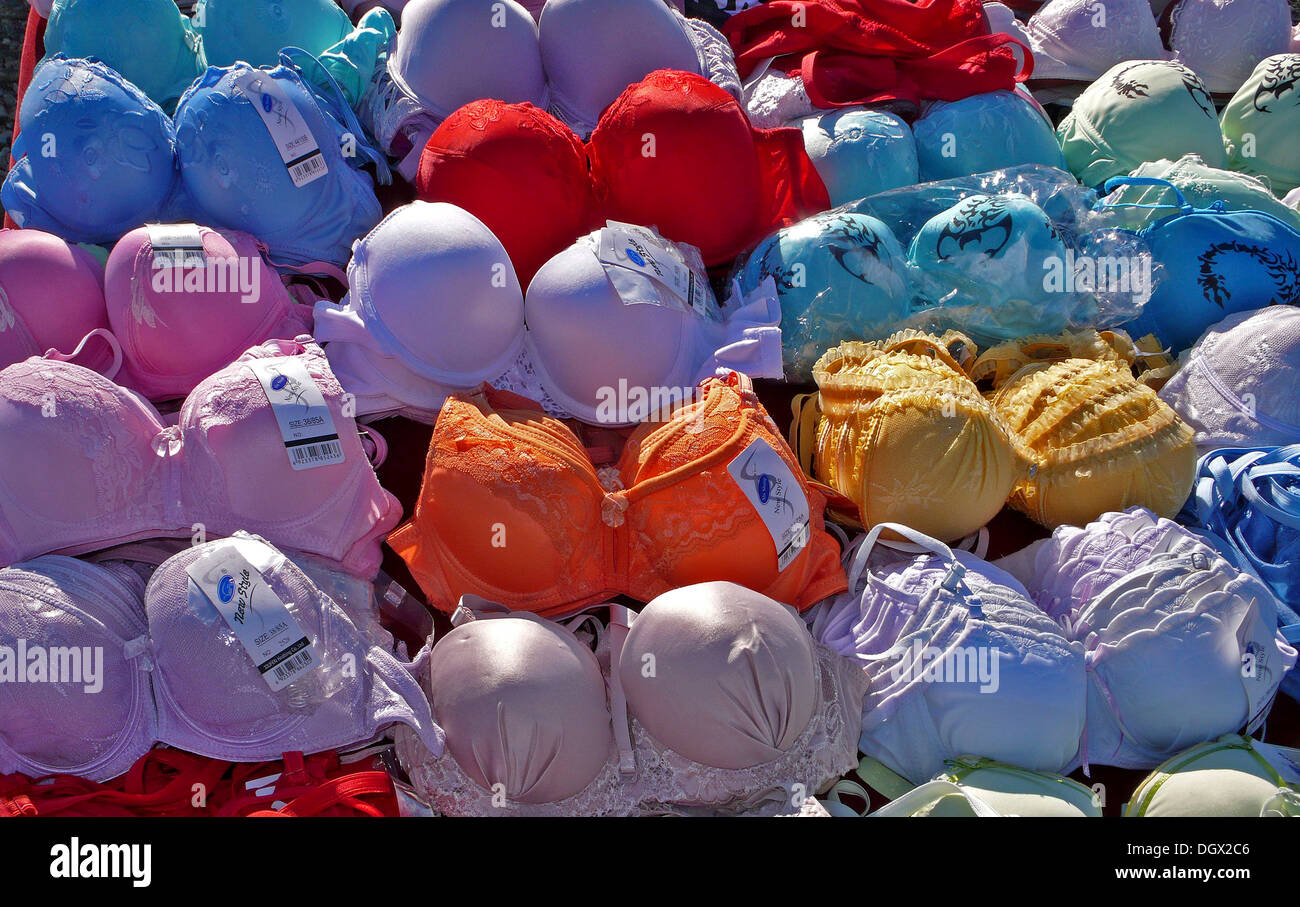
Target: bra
{"x": 94, "y": 157}
{"x": 278, "y": 153}
{"x": 731, "y": 184}
{"x": 170, "y": 667}
{"x": 1216, "y": 263}
{"x": 149, "y": 42}
{"x": 574, "y": 62}
{"x": 1231, "y": 776}
{"x": 1181, "y": 645}
{"x": 512, "y": 508}
{"x": 36, "y": 268}
{"x": 739, "y": 711}
{"x": 520, "y": 171}
{"x": 110, "y": 470}
{"x": 960, "y": 660}
{"x": 181, "y": 314}
{"x": 1072, "y": 42}
{"x": 1099, "y": 441}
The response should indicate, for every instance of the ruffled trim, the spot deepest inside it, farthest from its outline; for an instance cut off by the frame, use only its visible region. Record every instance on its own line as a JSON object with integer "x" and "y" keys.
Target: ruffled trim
{"x": 666, "y": 782}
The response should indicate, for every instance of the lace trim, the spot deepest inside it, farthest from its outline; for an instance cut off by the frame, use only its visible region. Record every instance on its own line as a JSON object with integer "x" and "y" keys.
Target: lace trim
{"x": 667, "y": 782}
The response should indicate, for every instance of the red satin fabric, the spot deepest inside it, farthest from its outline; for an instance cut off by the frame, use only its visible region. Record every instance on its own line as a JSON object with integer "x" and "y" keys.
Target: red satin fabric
{"x": 851, "y": 52}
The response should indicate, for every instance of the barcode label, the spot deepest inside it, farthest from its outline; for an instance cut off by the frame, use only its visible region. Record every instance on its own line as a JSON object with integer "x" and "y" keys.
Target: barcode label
{"x": 297, "y": 146}
{"x": 304, "y": 172}
{"x": 230, "y": 577}
{"x": 286, "y": 671}
{"x": 306, "y": 425}
{"x": 308, "y": 455}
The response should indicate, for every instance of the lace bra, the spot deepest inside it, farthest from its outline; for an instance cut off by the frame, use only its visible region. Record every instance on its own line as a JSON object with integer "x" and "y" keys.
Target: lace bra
{"x": 513, "y": 509}
{"x": 263, "y": 445}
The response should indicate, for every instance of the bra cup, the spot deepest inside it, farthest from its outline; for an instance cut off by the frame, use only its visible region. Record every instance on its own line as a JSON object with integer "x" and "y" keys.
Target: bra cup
{"x": 115, "y": 165}
{"x": 523, "y": 705}
{"x": 1259, "y": 28}
{"x": 720, "y": 674}
{"x": 147, "y": 41}
{"x": 193, "y": 644}
{"x": 1154, "y": 623}
{"x": 227, "y": 423}
{"x": 451, "y": 52}
{"x": 1068, "y": 31}
{"x": 1226, "y": 781}
{"x": 254, "y": 31}
{"x": 171, "y": 331}
{"x": 54, "y": 602}
{"x": 34, "y": 268}
{"x": 587, "y": 339}
{"x": 990, "y": 132}
{"x": 589, "y": 60}
{"x": 704, "y": 152}
{"x": 443, "y": 287}
{"x": 531, "y": 561}
{"x": 81, "y": 465}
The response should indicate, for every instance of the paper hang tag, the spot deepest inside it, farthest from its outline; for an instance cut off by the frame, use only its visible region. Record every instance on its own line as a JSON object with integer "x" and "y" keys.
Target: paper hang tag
{"x": 646, "y": 269}
{"x": 255, "y": 614}
{"x": 177, "y": 245}
{"x": 775, "y": 493}
{"x": 297, "y": 146}
{"x": 1284, "y": 759}
{"x": 299, "y": 407}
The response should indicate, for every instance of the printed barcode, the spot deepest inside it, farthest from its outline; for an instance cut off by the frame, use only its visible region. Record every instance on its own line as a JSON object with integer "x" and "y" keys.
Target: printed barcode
{"x": 288, "y": 668}
{"x": 313, "y": 166}
{"x": 310, "y": 453}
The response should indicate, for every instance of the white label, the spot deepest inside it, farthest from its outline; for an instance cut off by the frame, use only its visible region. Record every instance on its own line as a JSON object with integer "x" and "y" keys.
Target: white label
{"x": 305, "y": 421}
{"x": 298, "y": 147}
{"x": 177, "y": 245}
{"x": 278, "y": 646}
{"x": 1283, "y": 758}
{"x": 777, "y": 495}
{"x": 648, "y": 270}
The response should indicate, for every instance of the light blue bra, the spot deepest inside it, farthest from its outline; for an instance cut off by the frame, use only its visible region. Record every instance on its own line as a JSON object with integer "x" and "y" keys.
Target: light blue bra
{"x": 983, "y": 132}
{"x": 1215, "y": 262}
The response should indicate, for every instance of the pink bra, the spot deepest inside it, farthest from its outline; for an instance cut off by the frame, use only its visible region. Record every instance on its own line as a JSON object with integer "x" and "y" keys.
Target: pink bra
{"x": 86, "y": 464}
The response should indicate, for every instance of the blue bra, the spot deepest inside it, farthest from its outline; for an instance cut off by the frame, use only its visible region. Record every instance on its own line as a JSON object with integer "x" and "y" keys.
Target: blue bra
{"x": 1215, "y": 262}
{"x": 279, "y": 154}
{"x": 95, "y": 157}
{"x": 1248, "y": 500}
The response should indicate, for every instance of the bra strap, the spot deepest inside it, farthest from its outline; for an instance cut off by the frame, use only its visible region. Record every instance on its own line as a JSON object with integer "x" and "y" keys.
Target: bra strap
{"x": 115, "y": 347}
{"x": 620, "y": 620}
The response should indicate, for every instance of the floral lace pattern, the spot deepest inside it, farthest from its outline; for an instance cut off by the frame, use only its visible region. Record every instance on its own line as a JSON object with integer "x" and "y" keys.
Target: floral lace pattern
{"x": 667, "y": 783}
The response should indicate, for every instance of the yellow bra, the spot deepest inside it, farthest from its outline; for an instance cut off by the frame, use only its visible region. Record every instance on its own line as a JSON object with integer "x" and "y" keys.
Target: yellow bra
{"x": 907, "y": 436}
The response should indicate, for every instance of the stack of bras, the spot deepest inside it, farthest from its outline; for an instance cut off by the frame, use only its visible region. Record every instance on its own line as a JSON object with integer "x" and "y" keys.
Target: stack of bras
{"x": 906, "y": 435}
{"x": 173, "y": 671}
{"x": 110, "y": 469}
{"x": 575, "y": 61}
{"x": 536, "y": 724}
{"x": 512, "y": 508}
{"x": 96, "y": 158}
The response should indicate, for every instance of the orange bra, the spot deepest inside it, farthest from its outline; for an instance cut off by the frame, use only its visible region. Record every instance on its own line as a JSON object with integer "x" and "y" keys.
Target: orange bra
{"x": 513, "y": 510}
